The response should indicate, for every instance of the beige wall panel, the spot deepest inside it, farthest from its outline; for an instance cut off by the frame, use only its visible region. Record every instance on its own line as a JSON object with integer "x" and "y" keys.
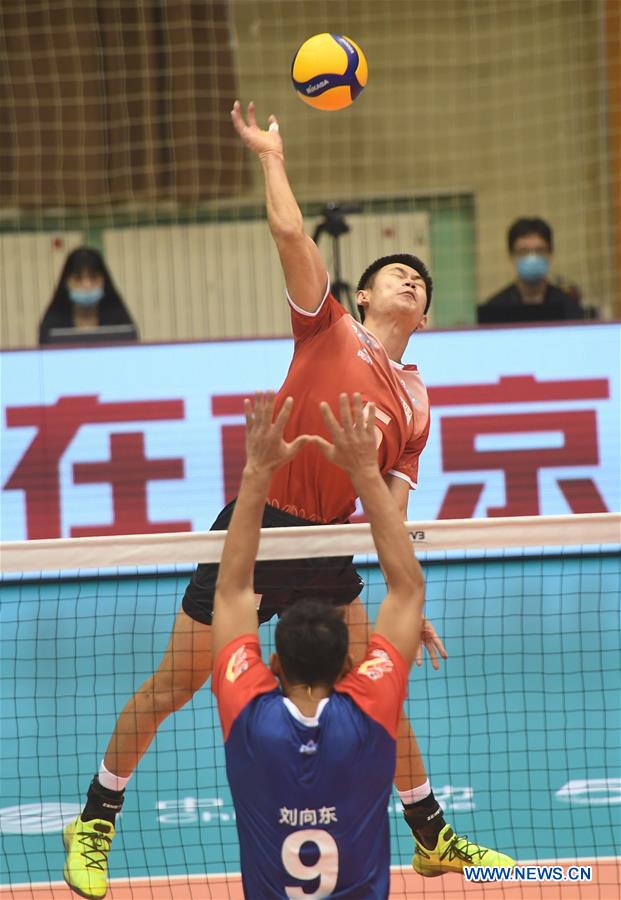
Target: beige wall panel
{"x": 200, "y": 281}
{"x": 505, "y": 99}
{"x": 212, "y": 281}
{"x": 30, "y": 265}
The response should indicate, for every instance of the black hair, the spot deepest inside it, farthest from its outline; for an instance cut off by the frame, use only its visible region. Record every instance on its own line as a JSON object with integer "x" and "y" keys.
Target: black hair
{"x": 59, "y": 313}
{"x": 312, "y": 643}
{"x": 368, "y": 276}
{"x": 523, "y": 227}
{"x": 84, "y": 259}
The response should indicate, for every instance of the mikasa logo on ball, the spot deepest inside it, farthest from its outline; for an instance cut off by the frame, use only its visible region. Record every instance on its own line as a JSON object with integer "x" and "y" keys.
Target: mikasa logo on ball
{"x": 317, "y": 87}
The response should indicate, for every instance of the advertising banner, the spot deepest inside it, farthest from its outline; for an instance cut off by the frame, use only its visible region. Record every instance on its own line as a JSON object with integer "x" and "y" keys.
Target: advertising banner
{"x": 150, "y": 438}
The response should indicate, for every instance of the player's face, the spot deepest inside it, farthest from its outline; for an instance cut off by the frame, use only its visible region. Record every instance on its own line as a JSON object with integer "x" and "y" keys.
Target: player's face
{"x": 398, "y": 292}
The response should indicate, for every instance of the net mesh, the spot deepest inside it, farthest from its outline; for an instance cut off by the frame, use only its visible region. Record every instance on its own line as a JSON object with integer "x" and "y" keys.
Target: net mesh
{"x": 519, "y": 729}
{"x": 117, "y": 133}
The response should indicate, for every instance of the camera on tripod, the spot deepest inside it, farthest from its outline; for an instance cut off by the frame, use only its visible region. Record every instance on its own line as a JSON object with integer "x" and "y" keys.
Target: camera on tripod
{"x": 333, "y": 223}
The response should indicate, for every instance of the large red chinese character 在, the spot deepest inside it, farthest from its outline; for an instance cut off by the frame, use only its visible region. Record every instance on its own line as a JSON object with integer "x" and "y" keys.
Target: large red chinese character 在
{"x": 128, "y": 471}
{"x": 460, "y": 452}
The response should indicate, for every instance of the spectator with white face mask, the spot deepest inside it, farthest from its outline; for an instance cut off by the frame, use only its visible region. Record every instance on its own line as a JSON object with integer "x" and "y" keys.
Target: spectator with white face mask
{"x": 531, "y": 297}
{"x": 85, "y": 298}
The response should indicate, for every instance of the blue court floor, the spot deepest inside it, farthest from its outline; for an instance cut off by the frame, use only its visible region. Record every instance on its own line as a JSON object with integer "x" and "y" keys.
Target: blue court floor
{"x": 520, "y": 728}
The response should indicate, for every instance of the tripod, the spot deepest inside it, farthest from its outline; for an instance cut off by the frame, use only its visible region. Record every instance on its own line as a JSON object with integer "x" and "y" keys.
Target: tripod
{"x": 334, "y": 224}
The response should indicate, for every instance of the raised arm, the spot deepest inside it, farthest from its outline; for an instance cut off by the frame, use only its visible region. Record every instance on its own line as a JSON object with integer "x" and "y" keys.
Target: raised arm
{"x": 400, "y": 492}
{"x": 305, "y": 272}
{"x": 235, "y": 610}
{"x": 353, "y": 449}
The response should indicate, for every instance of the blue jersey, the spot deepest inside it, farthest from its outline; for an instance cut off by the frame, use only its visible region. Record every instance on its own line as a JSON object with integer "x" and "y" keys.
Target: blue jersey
{"x": 311, "y": 795}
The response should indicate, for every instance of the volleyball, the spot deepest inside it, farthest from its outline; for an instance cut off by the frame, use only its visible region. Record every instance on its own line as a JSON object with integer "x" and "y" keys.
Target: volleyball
{"x": 329, "y": 71}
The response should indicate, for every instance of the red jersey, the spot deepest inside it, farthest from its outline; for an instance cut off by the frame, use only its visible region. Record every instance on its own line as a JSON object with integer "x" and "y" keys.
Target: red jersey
{"x": 333, "y": 353}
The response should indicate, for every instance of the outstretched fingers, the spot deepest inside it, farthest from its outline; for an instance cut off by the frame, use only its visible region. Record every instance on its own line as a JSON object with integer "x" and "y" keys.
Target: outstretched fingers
{"x": 283, "y": 416}
{"x": 248, "y": 412}
{"x": 259, "y": 413}
{"x": 345, "y": 407}
{"x": 331, "y": 421}
{"x": 237, "y": 118}
{"x": 368, "y": 417}
{"x": 252, "y": 117}
{"x": 364, "y": 416}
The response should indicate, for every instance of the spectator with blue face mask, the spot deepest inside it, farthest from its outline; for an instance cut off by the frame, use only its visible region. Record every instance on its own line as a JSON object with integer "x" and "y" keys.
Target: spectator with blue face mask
{"x": 531, "y": 297}
{"x": 85, "y": 298}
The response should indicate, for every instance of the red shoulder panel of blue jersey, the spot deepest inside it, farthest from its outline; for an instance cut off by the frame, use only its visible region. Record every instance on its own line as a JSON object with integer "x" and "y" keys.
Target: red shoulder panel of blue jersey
{"x": 239, "y": 675}
{"x": 306, "y": 325}
{"x": 379, "y": 684}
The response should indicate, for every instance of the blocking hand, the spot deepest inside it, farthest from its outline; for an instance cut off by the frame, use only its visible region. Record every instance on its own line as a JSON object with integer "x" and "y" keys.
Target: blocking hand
{"x": 266, "y": 449}
{"x": 353, "y": 446}
{"x": 431, "y": 641}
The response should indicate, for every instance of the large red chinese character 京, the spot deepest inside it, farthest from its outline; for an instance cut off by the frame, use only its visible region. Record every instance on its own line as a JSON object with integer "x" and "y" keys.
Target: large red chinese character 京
{"x": 460, "y": 452}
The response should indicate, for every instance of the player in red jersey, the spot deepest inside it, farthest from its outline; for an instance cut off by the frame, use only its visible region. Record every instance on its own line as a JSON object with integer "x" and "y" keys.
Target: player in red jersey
{"x": 333, "y": 354}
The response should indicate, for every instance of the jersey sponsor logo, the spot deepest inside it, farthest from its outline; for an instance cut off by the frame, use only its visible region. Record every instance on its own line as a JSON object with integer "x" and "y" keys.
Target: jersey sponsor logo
{"x": 238, "y": 664}
{"x": 364, "y": 337}
{"x": 407, "y": 409}
{"x": 309, "y": 748}
{"x": 374, "y": 667}
{"x": 409, "y": 392}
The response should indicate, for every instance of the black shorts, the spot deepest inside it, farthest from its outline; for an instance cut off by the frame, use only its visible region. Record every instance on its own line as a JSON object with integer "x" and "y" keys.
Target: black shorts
{"x": 280, "y": 582}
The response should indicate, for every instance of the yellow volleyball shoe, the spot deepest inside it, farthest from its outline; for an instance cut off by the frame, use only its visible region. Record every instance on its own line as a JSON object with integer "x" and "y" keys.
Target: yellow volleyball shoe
{"x": 452, "y": 853}
{"x": 86, "y": 863}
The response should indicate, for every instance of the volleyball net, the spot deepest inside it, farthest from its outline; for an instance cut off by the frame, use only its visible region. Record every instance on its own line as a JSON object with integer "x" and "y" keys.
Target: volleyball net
{"x": 519, "y": 729}
{"x": 117, "y": 132}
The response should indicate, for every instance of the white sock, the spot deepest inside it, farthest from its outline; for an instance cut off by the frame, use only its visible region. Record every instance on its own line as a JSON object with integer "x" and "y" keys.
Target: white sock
{"x": 415, "y": 794}
{"x": 110, "y": 781}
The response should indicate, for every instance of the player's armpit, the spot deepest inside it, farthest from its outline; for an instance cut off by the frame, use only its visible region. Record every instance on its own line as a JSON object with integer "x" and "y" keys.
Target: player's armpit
{"x": 400, "y": 491}
{"x": 304, "y": 270}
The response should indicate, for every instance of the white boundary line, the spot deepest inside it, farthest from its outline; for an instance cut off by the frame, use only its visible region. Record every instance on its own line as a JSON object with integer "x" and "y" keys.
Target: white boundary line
{"x": 159, "y": 879}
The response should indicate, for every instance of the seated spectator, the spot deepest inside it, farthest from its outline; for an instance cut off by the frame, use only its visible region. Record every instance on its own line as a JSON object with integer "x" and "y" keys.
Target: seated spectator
{"x": 531, "y": 297}
{"x": 86, "y": 299}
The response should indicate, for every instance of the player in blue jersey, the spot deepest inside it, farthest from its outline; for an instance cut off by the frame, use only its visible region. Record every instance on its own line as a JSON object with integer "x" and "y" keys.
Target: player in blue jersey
{"x": 311, "y": 742}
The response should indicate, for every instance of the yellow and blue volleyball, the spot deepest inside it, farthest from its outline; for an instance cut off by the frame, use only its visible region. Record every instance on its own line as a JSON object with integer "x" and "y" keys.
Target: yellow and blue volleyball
{"x": 329, "y": 71}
